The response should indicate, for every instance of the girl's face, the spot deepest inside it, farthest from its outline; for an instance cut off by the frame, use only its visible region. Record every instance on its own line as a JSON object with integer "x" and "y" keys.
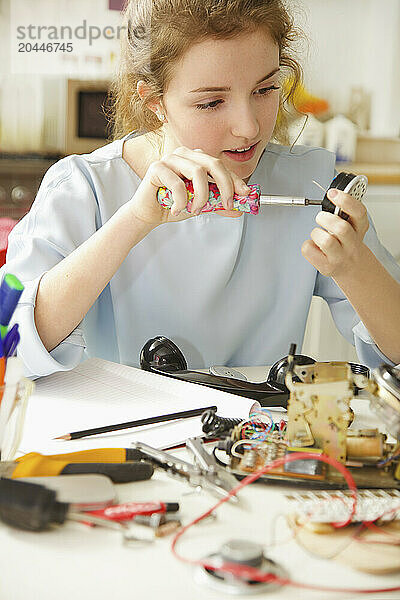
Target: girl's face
{"x": 236, "y": 117}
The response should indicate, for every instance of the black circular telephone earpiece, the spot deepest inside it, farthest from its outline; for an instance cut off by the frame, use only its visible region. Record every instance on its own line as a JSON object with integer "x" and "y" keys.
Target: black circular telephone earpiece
{"x": 162, "y": 354}
{"x": 355, "y": 185}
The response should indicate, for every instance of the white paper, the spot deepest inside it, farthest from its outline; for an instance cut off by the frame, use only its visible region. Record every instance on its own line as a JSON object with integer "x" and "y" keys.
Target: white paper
{"x": 99, "y": 392}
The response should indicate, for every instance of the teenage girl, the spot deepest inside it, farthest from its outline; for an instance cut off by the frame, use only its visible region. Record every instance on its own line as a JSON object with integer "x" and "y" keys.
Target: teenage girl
{"x": 199, "y": 96}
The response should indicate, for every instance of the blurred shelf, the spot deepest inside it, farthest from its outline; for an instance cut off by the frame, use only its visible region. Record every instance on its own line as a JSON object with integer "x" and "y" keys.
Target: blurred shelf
{"x": 377, "y": 173}
{"x": 20, "y": 177}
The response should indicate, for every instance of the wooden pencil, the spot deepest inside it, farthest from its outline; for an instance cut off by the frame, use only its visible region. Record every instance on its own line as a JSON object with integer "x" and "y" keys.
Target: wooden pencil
{"x": 185, "y": 414}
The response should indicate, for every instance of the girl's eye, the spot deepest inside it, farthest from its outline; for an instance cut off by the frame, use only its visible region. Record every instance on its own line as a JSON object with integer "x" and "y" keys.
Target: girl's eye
{"x": 267, "y": 89}
{"x": 209, "y": 105}
{"x": 214, "y": 104}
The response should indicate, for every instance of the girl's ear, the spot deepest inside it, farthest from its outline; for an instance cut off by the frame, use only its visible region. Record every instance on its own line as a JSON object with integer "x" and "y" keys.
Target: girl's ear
{"x": 143, "y": 90}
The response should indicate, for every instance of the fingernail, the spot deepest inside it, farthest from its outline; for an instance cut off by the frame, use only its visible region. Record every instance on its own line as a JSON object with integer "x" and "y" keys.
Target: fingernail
{"x": 332, "y": 193}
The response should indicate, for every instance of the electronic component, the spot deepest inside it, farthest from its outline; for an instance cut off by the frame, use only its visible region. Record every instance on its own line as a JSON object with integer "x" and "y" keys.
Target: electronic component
{"x": 306, "y": 468}
{"x": 319, "y": 419}
{"x": 241, "y": 553}
{"x": 258, "y": 455}
{"x": 336, "y": 507}
{"x": 365, "y": 445}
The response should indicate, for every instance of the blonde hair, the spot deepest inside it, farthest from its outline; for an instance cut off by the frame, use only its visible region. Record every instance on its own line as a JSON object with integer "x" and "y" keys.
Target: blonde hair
{"x": 158, "y": 33}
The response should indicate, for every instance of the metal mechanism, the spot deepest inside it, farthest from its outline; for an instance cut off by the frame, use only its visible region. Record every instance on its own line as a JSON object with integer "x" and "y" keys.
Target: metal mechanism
{"x": 319, "y": 422}
{"x": 319, "y": 407}
{"x": 385, "y": 397}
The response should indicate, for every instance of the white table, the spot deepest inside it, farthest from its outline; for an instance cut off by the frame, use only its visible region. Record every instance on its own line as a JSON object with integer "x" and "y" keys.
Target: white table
{"x": 74, "y": 561}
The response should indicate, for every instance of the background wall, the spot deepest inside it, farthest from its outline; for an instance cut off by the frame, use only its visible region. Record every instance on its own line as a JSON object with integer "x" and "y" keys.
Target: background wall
{"x": 354, "y": 43}
{"x": 351, "y": 43}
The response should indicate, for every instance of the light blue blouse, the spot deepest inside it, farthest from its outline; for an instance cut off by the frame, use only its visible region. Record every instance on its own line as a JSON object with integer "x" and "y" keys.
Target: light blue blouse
{"x": 226, "y": 291}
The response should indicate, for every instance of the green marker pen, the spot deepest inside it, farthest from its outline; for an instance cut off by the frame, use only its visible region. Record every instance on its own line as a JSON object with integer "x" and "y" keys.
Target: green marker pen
{"x": 10, "y": 291}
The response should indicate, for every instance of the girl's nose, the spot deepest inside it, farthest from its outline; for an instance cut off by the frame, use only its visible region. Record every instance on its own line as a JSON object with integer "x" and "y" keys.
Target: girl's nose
{"x": 245, "y": 124}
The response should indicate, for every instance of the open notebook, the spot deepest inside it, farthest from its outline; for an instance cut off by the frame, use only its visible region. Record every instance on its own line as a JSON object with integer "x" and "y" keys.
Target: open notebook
{"x": 98, "y": 392}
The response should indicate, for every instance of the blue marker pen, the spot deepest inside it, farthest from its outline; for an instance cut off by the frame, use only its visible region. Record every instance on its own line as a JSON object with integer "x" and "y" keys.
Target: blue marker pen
{"x": 10, "y": 291}
{"x": 11, "y": 341}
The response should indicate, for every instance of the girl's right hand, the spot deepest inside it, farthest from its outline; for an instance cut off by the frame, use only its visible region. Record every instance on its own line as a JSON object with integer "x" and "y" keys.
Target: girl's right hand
{"x": 168, "y": 172}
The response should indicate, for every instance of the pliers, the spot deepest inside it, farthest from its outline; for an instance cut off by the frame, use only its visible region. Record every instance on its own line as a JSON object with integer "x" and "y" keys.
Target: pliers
{"x": 204, "y": 473}
{"x": 119, "y": 464}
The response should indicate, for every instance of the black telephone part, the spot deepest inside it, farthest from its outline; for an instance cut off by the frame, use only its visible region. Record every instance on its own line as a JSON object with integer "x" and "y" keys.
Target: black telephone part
{"x": 337, "y": 183}
{"x": 355, "y": 185}
{"x": 160, "y": 355}
{"x": 215, "y": 426}
{"x": 277, "y": 372}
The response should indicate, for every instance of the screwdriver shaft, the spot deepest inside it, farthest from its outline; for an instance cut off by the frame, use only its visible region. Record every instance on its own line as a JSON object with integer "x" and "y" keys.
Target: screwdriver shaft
{"x": 288, "y": 201}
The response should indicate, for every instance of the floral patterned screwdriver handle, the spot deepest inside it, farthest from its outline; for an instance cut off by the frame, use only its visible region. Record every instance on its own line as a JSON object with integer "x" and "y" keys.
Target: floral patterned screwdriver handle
{"x": 249, "y": 203}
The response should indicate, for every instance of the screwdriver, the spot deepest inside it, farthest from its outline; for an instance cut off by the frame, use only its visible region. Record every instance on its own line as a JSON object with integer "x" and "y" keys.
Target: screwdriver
{"x": 34, "y": 507}
{"x": 355, "y": 185}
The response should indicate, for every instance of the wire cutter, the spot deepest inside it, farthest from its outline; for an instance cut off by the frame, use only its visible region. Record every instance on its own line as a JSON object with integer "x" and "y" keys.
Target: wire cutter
{"x": 204, "y": 473}
{"x": 104, "y": 461}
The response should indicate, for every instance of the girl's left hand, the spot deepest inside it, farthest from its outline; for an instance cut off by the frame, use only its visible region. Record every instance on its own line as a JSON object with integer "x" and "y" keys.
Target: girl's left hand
{"x": 335, "y": 246}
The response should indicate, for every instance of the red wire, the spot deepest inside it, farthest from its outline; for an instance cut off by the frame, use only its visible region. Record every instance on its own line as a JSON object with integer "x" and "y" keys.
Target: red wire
{"x": 394, "y": 540}
{"x": 254, "y": 574}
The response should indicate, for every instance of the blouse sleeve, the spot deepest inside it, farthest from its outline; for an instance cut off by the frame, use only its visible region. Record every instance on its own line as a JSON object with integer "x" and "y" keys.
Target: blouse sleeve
{"x": 63, "y": 216}
{"x": 346, "y": 319}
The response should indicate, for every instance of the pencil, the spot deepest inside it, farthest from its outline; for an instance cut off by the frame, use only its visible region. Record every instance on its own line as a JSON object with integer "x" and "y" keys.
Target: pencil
{"x": 185, "y": 414}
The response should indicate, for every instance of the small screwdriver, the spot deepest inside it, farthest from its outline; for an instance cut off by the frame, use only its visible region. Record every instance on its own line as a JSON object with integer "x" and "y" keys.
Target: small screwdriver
{"x": 129, "y": 510}
{"x": 355, "y": 185}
